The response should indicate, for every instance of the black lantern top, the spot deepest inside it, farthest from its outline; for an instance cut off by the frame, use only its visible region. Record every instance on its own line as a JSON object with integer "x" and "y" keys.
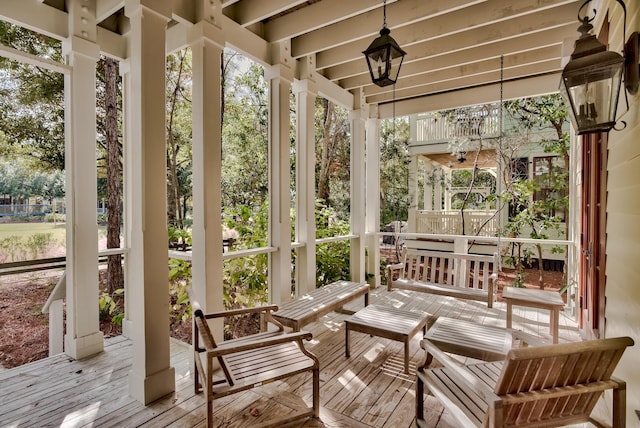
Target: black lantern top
{"x": 384, "y": 57}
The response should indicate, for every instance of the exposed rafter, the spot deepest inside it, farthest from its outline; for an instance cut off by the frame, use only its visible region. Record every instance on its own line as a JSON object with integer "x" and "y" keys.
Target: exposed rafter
{"x": 453, "y": 47}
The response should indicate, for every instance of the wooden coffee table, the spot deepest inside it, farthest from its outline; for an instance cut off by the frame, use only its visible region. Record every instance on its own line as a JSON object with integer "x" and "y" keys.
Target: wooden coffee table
{"x": 542, "y": 299}
{"x": 387, "y": 322}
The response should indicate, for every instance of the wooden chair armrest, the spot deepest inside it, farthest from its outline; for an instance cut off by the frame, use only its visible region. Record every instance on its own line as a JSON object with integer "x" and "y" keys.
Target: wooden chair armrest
{"x": 460, "y": 373}
{"x": 245, "y": 345}
{"x": 242, "y": 311}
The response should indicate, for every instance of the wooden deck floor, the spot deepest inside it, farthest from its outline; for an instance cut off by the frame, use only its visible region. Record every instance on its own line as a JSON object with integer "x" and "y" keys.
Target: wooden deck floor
{"x": 369, "y": 389}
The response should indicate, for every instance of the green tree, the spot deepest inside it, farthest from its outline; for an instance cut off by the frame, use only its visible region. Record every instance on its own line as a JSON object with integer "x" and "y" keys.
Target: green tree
{"x": 179, "y": 146}
{"x": 32, "y": 100}
{"x": 115, "y": 274}
{"x": 394, "y": 170}
{"x": 536, "y": 208}
{"x": 245, "y": 135}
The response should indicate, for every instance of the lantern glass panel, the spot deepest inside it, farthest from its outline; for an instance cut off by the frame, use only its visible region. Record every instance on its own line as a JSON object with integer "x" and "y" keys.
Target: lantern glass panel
{"x": 593, "y": 94}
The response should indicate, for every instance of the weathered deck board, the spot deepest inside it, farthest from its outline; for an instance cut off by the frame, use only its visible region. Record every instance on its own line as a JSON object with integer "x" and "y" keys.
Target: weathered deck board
{"x": 367, "y": 390}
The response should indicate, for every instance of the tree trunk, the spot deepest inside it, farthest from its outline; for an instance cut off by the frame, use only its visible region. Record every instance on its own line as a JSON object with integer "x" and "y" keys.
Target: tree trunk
{"x": 173, "y": 148}
{"x": 115, "y": 275}
{"x": 323, "y": 179}
{"x": 540, "y": 267}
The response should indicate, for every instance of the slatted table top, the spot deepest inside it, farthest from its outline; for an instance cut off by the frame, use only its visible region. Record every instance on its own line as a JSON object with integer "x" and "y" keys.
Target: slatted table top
{"x": 311, "y": 306}
{"x": 532, "y": 297}
{"x": 470, "y": 339}
{"x": 388, "y": 318}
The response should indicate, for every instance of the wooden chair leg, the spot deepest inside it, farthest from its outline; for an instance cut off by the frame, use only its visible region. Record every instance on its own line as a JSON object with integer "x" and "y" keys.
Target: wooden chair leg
{"x": 620, "y": 405}
{"x": 419, "y": 399}
{"x": 316, "y": 392}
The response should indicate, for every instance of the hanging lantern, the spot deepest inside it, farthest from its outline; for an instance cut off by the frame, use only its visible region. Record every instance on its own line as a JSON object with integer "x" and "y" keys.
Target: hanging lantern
{"x": 591, "y": 83}
{"x": 384, "y": 56}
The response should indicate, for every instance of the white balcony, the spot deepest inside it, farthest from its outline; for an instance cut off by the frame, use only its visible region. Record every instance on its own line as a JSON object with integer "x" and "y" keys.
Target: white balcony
{"x": 476, "y": 222}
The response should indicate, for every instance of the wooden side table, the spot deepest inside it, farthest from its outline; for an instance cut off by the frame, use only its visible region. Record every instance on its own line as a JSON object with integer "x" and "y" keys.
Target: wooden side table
{"x": 541, "y": 299}
{"x": 387, "y": 322}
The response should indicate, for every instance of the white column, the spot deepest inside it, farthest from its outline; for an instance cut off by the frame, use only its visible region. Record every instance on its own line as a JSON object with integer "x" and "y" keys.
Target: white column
{"x": 357, "y": 118}
{"x": 306, "y": 93}
{"x": 206, "y": 40}
{"x": 428, "y": 186}
{"x": 127, "y": 190}
{"x": 447, "y": 192}
{"x": 83, "y": 336}
{"x": 280, "y": 77}
{"x": 151, "y": 375}
{"x": 372, "y": 201}
{"x": 437, "y": 187}
{"x": 413, "y": 194}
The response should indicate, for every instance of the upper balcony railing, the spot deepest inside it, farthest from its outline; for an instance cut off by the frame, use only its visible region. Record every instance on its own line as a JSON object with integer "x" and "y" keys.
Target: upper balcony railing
{"x": 480, "y": 123}
{"x": 476, "y": 222}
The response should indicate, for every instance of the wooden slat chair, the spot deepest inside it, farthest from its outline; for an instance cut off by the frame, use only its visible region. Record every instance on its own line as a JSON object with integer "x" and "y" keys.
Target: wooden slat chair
{"x": 544, "y": 386}
{"x": 251, "y": 361}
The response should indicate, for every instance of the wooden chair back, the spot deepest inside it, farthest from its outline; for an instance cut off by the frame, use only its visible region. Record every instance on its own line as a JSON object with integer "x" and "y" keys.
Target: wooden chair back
{"x": 202, "y": 332}
{"x": 557, "y": 382}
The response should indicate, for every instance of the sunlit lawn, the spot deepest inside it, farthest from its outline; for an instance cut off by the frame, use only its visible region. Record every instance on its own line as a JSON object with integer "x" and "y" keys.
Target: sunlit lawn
{"x": 14, "y": 238}
{"x": 25, "y": 230}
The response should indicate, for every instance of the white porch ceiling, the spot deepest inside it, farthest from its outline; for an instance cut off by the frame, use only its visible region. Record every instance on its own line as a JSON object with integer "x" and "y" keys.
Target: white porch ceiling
{"x": 454, "y": 47}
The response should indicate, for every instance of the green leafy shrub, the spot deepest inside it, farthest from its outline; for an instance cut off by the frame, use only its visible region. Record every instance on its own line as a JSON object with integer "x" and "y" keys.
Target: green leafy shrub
{"x": 110, "y": 307}
{"x": 332, "y": 258}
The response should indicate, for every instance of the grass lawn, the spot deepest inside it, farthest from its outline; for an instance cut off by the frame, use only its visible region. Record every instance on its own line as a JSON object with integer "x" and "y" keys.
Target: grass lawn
{"x": 16, "y": 243}
{"x": 10, "y": 250}
{"x": 25, "y": 230}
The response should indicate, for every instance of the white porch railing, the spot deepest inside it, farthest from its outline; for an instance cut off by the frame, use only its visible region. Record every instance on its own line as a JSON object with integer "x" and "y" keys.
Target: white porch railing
{"x": 434, "y": 127}
{"x": 476, "y": 222}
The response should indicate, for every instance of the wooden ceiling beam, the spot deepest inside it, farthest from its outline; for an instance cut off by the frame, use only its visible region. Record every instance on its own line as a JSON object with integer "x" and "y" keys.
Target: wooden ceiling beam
{"x": 549, "y": 55}
{"x": 366, "y": 26}
{"x": 531, "y": 86}
{"x": 515, "y": 46}
{"x": 320, "y": 15}
{"x": 479, "y": 35}
{"x": 248, "y": 12}
{"x": 479, "y": 80}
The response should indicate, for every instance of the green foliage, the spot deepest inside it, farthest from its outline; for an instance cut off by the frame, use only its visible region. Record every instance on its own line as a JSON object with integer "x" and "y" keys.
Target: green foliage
{"x": 179, "y": 135}
{"x": 332, "y": 258}
{"x": 179, "y": 238}
{"x": 244, "y": 135}
{"x": 245, "y": 278}
{"x": 32, "y": 100}
{"x": 110, "y": 306}
{"x": 37, "y": 243}
{"x": 179, "y": 281}
{"x": 537, "y": 203}
{"x": 394, "y": 170}
{"x": 245, "y": 281}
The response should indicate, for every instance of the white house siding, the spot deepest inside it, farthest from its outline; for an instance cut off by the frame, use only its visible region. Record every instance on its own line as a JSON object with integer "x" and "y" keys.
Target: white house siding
{"x": 623, "y": 227}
